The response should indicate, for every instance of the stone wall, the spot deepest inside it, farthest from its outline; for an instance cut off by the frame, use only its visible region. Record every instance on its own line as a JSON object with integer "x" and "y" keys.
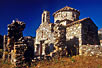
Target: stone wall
{"x": 44, "y": 32}
{"x": 73, "y": 38}
{"x": 73, "y": 32}
{"x": 45, "y": 35}
{"x": 15, "y": 32}
{"x": 60, "y": 38}
{"x": 101, "y": 42}
{"x": 69, "y": 15}
{"x": 89, "y": 33}
{"x": 91, "y": 50}
{"x": 20, "y": 49}
{"x": 100, "y": 34}
{"x": 18, "y": 57}
{"x": 66, "y": 13}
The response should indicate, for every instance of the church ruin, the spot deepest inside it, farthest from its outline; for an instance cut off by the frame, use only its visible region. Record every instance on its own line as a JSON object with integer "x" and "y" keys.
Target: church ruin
{"x": 67, "y": 36}
{"x": 66, "y": 33}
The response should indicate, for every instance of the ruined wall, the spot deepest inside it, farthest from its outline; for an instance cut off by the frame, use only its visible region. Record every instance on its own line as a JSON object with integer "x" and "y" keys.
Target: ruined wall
{"x": 89, "y": 33}
{"x": 15, "y": 32}
{"x": 91, "y": 50}
{"x": 59, "y": 39}
{"x": 18, "y": 57}
{"x": 20, "y": 49}
{"x": 4, "y": 47}
{"x": 73, "y": 38}
{"x": 73, "y": 32}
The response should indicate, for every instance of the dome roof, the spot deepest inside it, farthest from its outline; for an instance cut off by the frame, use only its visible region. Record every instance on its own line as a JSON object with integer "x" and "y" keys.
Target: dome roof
{"x": 66, "y": 9}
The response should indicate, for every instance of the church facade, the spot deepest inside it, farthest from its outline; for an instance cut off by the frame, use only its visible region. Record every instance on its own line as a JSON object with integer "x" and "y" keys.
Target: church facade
{"x": 66, "y": 34}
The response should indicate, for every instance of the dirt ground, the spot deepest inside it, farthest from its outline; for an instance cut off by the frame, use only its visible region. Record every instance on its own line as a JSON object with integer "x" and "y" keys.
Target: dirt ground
{"x": 74, "y": 62}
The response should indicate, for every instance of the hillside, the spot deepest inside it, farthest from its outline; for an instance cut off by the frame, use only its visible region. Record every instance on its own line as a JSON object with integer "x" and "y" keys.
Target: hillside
{"x": 74, "y": 62}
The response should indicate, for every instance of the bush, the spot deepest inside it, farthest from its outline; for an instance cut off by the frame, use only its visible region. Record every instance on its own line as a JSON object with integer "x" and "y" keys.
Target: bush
{"x": 1, "y": 53}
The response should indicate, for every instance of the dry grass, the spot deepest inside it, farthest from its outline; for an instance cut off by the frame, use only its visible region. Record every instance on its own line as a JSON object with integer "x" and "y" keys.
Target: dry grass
{"x": 5, "y": 64}
{"x": 74, "y": 62}
{"x": 1, "y": 53}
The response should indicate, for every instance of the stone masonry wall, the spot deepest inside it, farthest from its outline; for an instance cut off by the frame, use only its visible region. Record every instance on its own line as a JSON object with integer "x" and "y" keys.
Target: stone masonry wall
{"x": 89, "y": 33}
{"x": 60, "y": 39}
{"x": 73, "y": 38}
{"x": 91, "y": 50}
{"x": 45, "y": 34}
{"x": 72, "y": 32}
{"x": 69, "y": 15}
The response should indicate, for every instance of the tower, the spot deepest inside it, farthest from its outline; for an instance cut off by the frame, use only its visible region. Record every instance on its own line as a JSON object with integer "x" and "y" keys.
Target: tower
{"x": 66, "y": 13}
{"x": 45, "y": 17}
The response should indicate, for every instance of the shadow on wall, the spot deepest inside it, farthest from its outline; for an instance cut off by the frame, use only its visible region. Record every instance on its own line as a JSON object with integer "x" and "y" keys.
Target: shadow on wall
{"x": 29, "y": 54}
{"x": 100, "y": 36}
{"x": 49, "y": 48}
{"x": 1, "y": 42}
{"x": 73, "y": 46}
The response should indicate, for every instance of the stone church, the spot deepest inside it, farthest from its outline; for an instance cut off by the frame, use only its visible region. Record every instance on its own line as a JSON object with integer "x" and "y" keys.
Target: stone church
{"x": 66, "y": 34}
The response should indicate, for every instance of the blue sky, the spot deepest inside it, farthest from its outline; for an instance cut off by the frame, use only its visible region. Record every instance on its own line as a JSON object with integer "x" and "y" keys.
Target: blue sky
{"x": 30, "y": 12}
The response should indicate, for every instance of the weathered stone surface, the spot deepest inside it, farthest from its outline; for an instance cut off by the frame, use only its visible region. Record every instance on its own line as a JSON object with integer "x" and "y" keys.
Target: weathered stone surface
{"x": 101, "y": 42}
{"x": 18, "y": 54}
{"x": 20, "y": 49}
{"x": 91, "y": 50}
{"x": 66, "y": 33}
{"x": 14, "y": 34}
{"x": 67, "y": 36}
{"x": 89, "y": 33}
{"x": 66, "y": 13}
{"x": 44, "y": 35}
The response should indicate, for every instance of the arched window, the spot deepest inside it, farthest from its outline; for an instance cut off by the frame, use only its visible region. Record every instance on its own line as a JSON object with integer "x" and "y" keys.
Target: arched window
{"x": 44, "y": 18}
{"x": 57, "y": 21}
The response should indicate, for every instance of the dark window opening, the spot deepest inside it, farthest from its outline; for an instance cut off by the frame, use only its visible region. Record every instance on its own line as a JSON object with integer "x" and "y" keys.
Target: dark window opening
{"x": 44, "y": 18}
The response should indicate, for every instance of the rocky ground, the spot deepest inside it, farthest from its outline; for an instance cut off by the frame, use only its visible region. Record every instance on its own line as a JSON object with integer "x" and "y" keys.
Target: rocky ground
{"x": 74, "y": 62}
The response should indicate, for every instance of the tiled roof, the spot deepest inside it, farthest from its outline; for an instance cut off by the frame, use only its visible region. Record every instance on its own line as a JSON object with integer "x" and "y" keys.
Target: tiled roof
{"x": 66, "y": 9}
{"x": 78, "y": 21}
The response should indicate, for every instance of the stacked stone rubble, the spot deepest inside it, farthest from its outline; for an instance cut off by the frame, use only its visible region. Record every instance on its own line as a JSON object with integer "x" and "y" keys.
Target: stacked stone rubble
{"x": 60, "y": 39}
{"x": 73, "y": 38}
{"x": 17, "y": 55}
{"x": 14, "y": 33}
{"x": 23, "y": 52}
{"x": 18, "y": 46}
{"x": 4, "y": 47}
{"x": 91, "y": 50}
